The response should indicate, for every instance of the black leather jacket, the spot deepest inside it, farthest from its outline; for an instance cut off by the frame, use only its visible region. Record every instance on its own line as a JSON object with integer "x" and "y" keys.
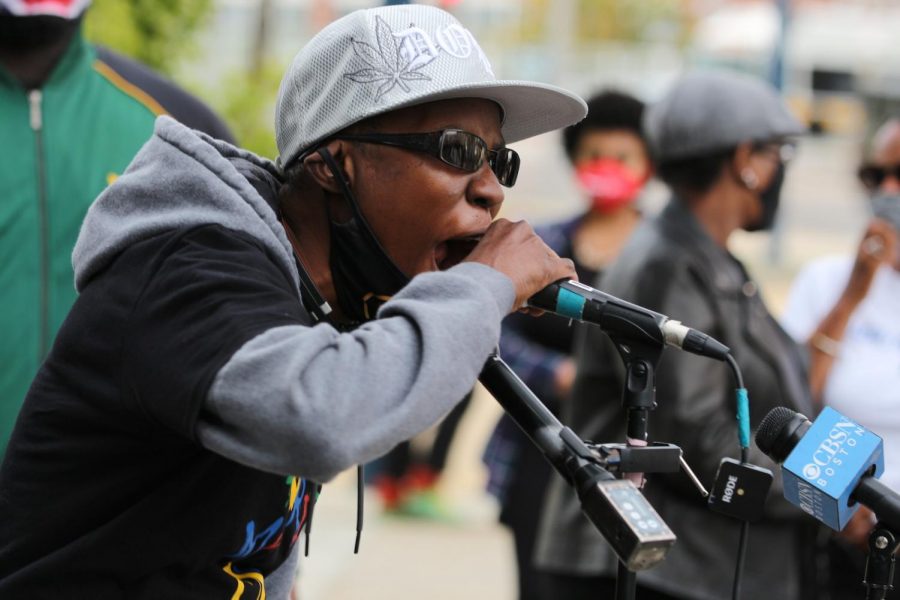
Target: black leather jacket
{"x": 672, "y": 266}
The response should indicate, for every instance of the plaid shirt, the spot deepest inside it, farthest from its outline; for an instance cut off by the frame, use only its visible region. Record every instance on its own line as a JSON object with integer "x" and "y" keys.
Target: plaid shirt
{"x": 534, "y": 362}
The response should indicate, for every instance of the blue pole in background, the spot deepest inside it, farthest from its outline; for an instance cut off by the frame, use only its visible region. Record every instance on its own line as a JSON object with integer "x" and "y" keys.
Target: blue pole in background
{"x": 776, "y": 74}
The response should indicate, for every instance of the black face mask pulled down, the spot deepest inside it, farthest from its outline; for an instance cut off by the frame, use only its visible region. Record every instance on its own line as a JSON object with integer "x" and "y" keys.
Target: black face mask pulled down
{"x": 364, "y": 275}
{"x": 769, "y": 199}
{"x": 26, "y": 35}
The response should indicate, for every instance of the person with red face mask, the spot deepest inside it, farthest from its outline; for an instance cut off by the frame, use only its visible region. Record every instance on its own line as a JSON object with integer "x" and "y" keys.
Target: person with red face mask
{"x": 611, "y": 164}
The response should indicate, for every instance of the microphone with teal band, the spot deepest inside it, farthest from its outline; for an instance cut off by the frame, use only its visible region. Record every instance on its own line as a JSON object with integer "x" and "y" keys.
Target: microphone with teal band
{"x": 569, "y": 304}
{"x": 583, "y": 303}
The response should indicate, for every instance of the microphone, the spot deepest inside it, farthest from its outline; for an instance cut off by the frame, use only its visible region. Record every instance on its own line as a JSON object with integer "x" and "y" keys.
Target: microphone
{"x": 829, "y": 465}
{"x": 622, "y": 319}
{"x": 616, "y": 507}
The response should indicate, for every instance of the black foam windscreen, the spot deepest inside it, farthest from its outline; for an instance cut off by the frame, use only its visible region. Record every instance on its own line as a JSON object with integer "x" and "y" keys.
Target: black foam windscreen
{"x": 771, "y": 427}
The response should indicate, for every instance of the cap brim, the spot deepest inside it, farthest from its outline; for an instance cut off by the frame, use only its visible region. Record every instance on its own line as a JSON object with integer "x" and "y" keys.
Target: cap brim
{"x": 529, "y": 108}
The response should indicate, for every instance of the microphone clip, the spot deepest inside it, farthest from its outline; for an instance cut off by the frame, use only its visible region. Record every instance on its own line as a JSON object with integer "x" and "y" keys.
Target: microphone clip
{"x": 657, "y": 457}
{"x": 879, "y": 573}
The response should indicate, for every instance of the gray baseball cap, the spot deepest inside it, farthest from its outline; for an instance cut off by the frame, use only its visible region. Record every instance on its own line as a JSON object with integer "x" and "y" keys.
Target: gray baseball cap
{"x": 378, "y": 60}
{"x": 711, "y": 110}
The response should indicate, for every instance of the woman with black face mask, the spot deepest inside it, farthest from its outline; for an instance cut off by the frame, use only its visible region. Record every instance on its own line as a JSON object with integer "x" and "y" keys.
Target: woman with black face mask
{"x": 720, "y": 142}
{"x": 846, "y": 310}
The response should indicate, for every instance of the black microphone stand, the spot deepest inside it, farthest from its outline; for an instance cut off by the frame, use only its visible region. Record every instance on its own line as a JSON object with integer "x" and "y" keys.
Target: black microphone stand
{"x": 879, "y": 574}
{"x": 528, "y": 412}
{"x": 639, "y": 341}
{"x": 883, "y": 541}
{"x": 616, "y": 508}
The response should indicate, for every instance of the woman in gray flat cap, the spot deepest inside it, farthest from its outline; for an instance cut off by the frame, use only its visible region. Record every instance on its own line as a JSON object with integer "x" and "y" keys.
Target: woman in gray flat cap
{"x": 720, "y": 142}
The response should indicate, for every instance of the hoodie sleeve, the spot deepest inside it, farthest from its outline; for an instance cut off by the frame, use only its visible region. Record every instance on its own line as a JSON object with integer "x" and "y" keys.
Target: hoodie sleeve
{"x": 267, "y": 390}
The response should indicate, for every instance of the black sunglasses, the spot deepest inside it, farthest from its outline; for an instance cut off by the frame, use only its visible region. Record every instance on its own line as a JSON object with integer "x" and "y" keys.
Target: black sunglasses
{"x": 873, "y": 176}
{"x": 454, "y": 147}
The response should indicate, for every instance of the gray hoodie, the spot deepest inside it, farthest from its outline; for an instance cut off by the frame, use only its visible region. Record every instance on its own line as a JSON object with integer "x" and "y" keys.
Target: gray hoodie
{"x": 299, "y": 398}
{"x": 365, "y": 390}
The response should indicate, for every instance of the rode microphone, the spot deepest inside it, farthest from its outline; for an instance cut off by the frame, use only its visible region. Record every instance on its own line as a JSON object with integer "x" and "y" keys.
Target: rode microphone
{"x": 828, "y": 465}
{"x": 617, "y": 317}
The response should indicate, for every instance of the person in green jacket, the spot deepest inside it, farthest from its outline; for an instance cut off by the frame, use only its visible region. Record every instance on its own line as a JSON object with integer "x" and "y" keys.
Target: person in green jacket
{"x": 72, "y": 116}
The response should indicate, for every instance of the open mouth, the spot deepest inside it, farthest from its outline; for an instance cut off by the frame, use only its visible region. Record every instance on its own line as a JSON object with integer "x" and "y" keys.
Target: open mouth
{"x": 453, "y": 251}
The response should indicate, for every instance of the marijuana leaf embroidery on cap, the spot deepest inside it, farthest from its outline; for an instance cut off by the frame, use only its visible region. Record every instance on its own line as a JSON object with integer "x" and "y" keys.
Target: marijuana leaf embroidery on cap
{"x": 386, "y": 63}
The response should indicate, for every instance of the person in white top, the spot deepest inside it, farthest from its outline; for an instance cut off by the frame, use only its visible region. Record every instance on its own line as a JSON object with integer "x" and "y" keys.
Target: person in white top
{"x": 847, "y": 310}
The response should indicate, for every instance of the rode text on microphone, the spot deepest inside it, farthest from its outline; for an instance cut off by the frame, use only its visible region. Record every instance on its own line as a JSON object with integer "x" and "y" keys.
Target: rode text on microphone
{"x": 740, "y": 490}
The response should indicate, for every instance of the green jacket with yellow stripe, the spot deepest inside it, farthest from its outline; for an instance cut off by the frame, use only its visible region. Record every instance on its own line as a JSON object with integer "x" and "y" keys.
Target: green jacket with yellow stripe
{"x": 60, "y": 146}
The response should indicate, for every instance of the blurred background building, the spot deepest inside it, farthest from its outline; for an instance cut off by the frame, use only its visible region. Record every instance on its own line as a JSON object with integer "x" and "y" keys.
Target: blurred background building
{"x": 837, "y": 59}
{"x": 837, "y": 62}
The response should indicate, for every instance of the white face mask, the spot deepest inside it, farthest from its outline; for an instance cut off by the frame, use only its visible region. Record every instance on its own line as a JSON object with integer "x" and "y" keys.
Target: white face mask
{"x": 887, "y": 207}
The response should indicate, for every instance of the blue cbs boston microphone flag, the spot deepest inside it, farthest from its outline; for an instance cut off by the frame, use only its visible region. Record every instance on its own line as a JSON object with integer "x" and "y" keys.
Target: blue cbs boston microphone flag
{"x": 824, "y": 462}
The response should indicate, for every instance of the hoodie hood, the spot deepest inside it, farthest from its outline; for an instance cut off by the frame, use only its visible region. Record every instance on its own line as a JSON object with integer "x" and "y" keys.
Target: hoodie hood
{"x": 180, "y": 179}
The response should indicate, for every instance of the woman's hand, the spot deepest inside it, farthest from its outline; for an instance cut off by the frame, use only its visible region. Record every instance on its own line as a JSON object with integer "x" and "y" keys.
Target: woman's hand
{"x": 878, "y": 246}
